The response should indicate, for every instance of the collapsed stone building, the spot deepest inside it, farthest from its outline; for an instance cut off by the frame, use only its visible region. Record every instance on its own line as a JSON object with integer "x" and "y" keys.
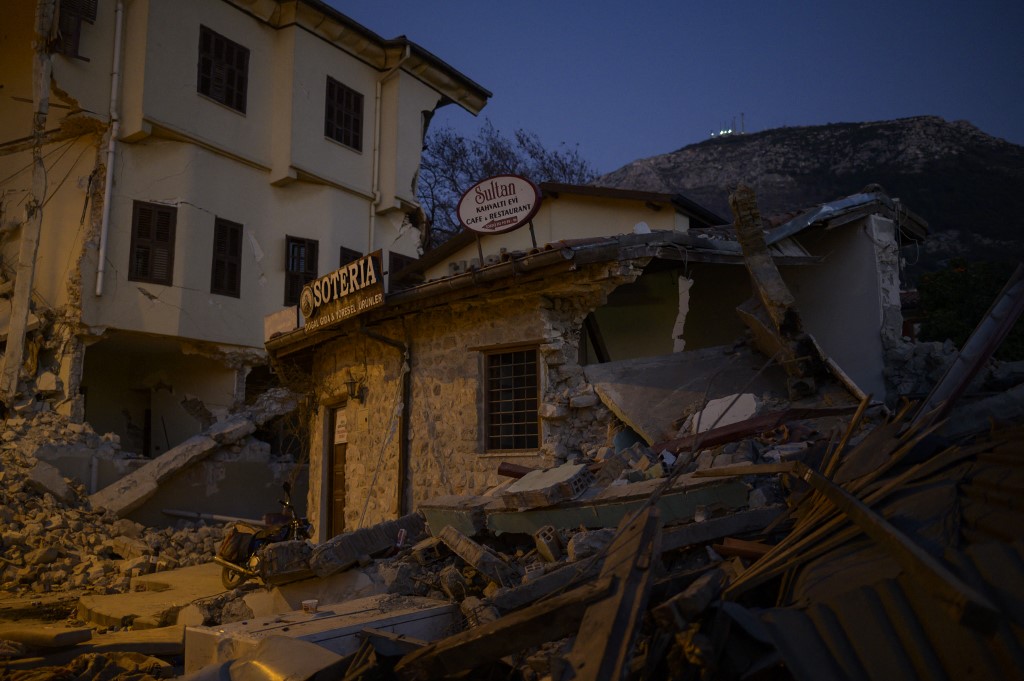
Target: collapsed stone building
{"x": 527, "y": 356}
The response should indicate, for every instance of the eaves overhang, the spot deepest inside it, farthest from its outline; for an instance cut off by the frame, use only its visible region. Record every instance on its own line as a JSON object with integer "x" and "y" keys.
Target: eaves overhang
{"x": 521, "y": 267}
{"x": 383, "y": 54}
{"x": 835, "y": 213}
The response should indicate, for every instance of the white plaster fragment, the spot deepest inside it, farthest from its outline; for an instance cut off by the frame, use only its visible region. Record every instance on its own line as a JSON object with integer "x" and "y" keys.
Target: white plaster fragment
{"x": 723, "y": 412}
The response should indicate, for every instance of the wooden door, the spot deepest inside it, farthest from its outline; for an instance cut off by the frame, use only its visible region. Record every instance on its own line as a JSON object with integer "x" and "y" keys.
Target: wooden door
{"x": 336, "y": 491}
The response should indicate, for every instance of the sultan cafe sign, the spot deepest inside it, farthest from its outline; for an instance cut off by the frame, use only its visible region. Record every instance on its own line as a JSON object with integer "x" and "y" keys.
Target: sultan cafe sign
{"x": 499, "y": 204}
{"x": 346, "y": 292}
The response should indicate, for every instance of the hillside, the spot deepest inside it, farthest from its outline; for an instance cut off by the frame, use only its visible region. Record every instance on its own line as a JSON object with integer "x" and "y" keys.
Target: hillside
{"x": 967, "y": 184}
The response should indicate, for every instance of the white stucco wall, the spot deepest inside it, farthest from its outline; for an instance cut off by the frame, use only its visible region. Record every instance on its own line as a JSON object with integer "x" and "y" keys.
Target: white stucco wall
{"x": 571, "y": 216}
{"x": 847, "y": 286}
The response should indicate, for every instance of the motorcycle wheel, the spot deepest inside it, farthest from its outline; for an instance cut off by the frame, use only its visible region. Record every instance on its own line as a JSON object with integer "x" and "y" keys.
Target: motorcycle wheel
{"x": 231, "y": 579}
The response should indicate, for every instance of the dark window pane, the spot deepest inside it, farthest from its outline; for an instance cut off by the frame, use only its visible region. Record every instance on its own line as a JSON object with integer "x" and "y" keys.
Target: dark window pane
{"x": 226, "y": 273}
{"x": 300, "y": 266}
{"x": 223, "y": 69}
{"x": 343, "y": 117}
{"x": 152, "y": 246}
{"x": 511, "y": 400}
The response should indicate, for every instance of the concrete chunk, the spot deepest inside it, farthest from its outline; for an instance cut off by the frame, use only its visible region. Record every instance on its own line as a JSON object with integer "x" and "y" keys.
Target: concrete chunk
{"x": 345, "y": 550}
{"x": 546, "y": 487}
{"x": 479, "y": 556}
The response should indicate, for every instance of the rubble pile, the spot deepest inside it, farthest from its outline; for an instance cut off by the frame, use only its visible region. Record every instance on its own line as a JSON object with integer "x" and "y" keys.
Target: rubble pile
{"x": 871, "y": 527}
{"x": 52, "y": 540}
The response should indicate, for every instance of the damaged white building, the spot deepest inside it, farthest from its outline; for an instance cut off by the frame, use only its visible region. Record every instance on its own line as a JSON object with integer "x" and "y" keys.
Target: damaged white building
{"x": 173, "y": 172}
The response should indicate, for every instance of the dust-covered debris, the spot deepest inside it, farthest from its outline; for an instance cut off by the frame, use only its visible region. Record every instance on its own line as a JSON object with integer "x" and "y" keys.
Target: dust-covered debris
{"x": 53, "y": 540}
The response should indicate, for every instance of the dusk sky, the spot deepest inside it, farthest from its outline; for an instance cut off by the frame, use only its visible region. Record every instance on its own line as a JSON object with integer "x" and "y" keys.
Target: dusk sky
{"x": 625, "y": 80}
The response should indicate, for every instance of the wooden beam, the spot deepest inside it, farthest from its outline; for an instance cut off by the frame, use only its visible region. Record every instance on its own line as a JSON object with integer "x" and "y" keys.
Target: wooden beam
{"x": 548, "y": 620}
{"x": 752, "y": 426}
{"x": 604, "y": 644}
{"x": 967, "y": 606}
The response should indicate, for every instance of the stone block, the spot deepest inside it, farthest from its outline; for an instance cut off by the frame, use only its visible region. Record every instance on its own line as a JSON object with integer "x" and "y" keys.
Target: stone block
{"x": 583, "y": 401}
{"x": 46, "y": 477}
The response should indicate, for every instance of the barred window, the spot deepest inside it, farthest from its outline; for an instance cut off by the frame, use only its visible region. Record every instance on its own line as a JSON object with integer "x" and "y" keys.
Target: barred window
{"x": 226, "y": 273}
{"x": 152, "y": 247}
{"x": 223, "y": 69}
{"x": 343, "y": 120}
{"x": 511, "y": 400}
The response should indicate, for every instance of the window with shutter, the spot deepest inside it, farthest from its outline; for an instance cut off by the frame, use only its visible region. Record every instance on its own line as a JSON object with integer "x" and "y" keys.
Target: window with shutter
{"x": 300, "y": 266}
{"x": 226, "y": 273}
{"x": 70, "y": 15}
{"x": 152, "y": 247}
{"x": 398, "y": 262}
{"x": 223, "y": 69}
{"x": 343, "y": 119}
{"x": 348, "y": 255}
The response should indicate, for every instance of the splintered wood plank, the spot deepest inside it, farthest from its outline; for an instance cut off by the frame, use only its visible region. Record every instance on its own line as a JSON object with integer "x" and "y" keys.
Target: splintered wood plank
{"x": 548, "y": 620}
{"x": 604, "y": 645}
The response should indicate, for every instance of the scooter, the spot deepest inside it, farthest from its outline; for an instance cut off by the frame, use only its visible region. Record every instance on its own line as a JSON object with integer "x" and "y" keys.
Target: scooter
{"x": 239, "y": 555}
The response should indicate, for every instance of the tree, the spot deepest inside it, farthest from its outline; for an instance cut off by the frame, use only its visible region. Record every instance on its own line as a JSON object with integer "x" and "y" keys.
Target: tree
{"x": 451, "y": 164}
{"x": 955, "y": 300}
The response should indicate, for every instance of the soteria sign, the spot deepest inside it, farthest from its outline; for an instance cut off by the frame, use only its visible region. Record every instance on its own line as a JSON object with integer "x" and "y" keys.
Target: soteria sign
{"x": 499, "y": 204}
{"x": 346, "y": 292}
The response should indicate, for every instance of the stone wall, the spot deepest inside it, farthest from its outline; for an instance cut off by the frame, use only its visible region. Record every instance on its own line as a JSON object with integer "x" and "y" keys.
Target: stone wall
{"x": 447, "y": 340}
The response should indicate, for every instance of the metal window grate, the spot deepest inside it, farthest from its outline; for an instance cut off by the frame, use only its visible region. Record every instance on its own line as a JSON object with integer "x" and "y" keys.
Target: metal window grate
{"x": 511, "y": 401}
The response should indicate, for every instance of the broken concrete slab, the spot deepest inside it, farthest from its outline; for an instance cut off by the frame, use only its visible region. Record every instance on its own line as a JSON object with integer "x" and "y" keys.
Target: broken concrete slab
{"x": 43, "y": 636}
{"x": 540, "y": 488}
{"x": 464, "y": 513}
{"x": 652, "y": 394}
{"x": 131, "y": 491}
{"x": 607, "y": 507}
{"x": 156, "y": 602}
{"x": 335, "y": 628}
{"x": 276, "y": 657}
{"x": 165, "y": 641}
{"x": 342, "y": 552}
{"x": 47, "y": 478}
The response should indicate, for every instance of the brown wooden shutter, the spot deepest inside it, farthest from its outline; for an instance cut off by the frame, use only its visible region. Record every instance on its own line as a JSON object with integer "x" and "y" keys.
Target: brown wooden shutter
{"x": 226, "y": 276}
{"x": 83, "y": 9}
{"x": 300, "y": 266}
{"x": 152, "y": 245}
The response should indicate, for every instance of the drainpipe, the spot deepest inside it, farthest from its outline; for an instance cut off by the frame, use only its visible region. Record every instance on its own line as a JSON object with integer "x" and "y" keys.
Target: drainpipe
{"x": 401, "y": 502}
{"x": 378, "y": 89}
{"x": 115, "y": 128}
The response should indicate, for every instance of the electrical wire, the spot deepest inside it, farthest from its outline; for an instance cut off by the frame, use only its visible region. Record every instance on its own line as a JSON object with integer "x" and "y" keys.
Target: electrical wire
{"x": 31, "y": 163}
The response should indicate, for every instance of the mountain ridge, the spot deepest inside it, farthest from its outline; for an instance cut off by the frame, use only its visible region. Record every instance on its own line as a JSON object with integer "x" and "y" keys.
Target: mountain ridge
{"x": 967, "y": 184}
